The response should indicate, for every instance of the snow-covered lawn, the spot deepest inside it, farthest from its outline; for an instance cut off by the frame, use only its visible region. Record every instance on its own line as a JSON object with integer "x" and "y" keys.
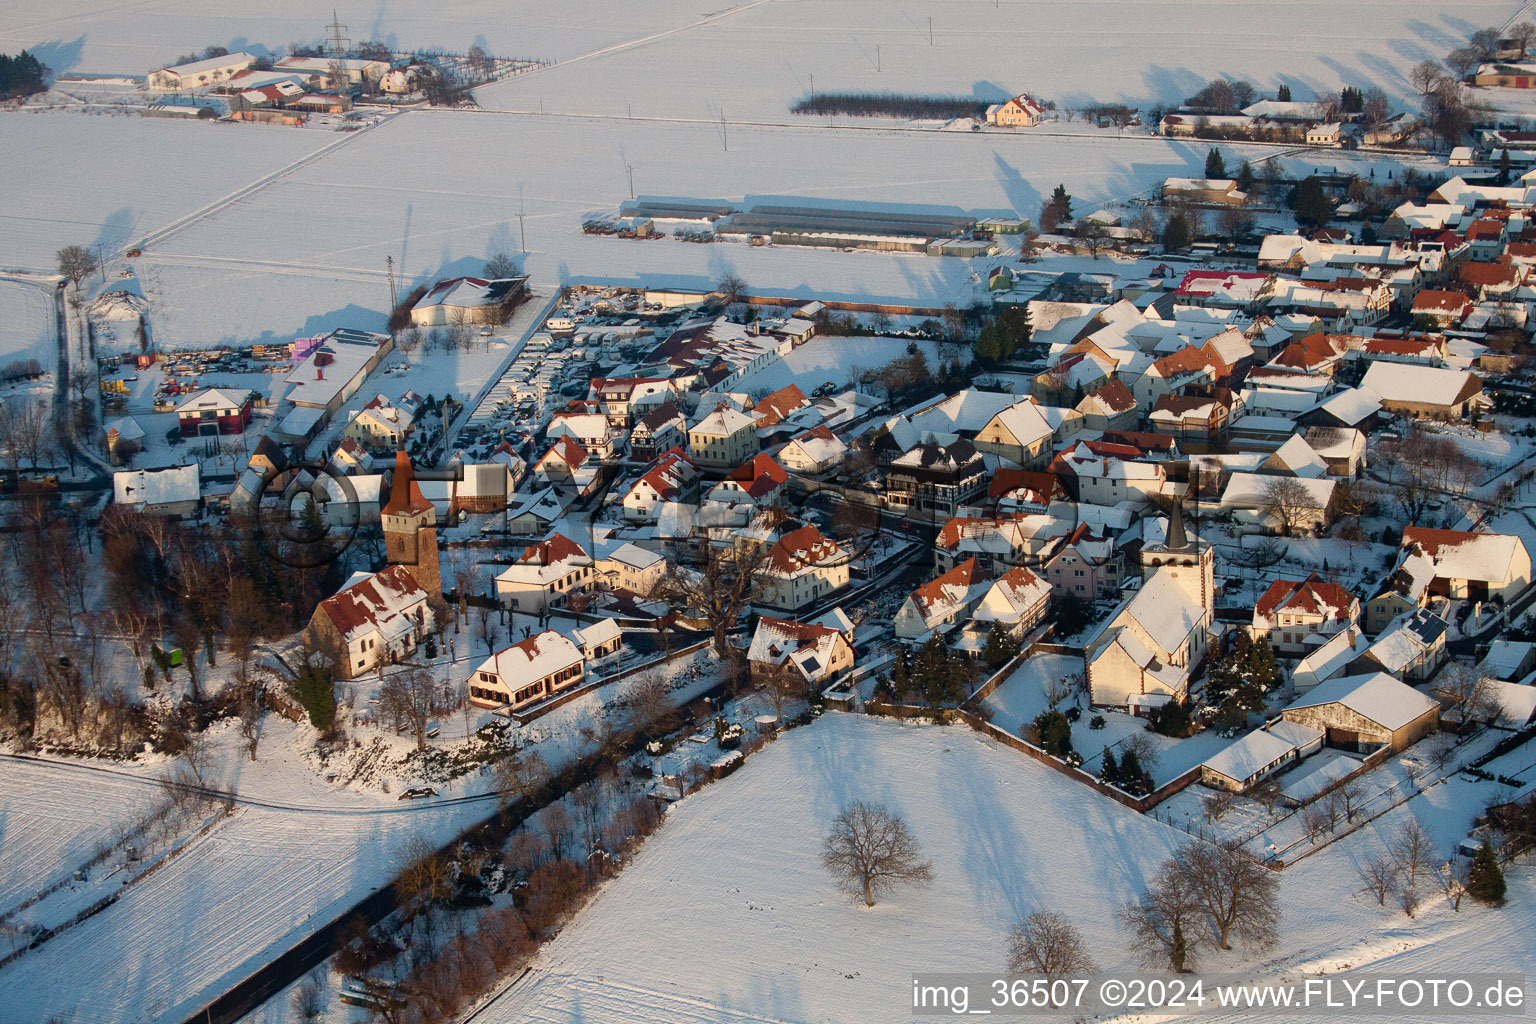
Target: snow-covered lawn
{"x": 26, "y": 324}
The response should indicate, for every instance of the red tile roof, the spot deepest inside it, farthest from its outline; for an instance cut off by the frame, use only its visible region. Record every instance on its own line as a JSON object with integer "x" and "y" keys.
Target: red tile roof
{"x": 405, "y": 497}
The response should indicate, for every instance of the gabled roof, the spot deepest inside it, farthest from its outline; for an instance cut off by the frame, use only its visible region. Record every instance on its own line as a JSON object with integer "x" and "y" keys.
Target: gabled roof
{"x": 665, "y": 413}
{"x": 1463, "y": 555}
{"x": 1165, "y": 611}
{"x": 1441, "y": 302}
{"x": 215, "y": 398}
{"x": 1378, "y": 697}
{"x": 1013, "y": 595}
{"x": 379, "y": 601}
{"x": 668, "y": 475}
{"x": 1425, "y": 385}
{"x": 759, "y": 475}
{"x": 532, "y": 659}
{"x": 944, "y": 594}
{"x": 1109, "y": 399}
{"x": 773, "y": 408}
{"x": 567, "y": 450}
{"x": 1312, "y": 596}
{"x": 802, "y": 550}
{"x": 1040, "y": 486}
{"x": 808, "y": 646}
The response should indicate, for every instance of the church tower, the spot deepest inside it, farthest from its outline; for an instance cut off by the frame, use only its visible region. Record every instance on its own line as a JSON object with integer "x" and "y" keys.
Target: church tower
{"x": 1188, "y": 560}
{"x": 410, "y": 528}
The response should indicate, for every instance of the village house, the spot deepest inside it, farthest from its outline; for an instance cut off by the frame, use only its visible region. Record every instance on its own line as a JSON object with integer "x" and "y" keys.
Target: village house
{"x": 1103, "y": 473}
{"x": 1088, "y": 565}
{"x": 620, "y": 397}
{"x": 1025, "y": 490}
{"x": 373, "y": 621}
{"x": 813, "y": 655}
{"x": 215, "y": 411}
{"x": 941, "y": 604}
{"x": 527, "y": 672}
{"x": 760, "y": 481}
{"x": 1023, "y": 111}
{"x": 1224, "y": 289}
{"x": 722, "y": 439}
{"x": 659, "y": 430}
{"x": 932, "y": 481}
{"x": 813, "y": 452}
{"x": 175, "y": 491}
{"x": 633, "y": 568}
{"x": 1424, "y": 392}
{"x": 1441, "y": 308}
{"x": 1296, "y": 617}
{"x": 380, "y": 425}
{"x": 1199, "y": 422}
{"x": 1176, "y": 372}
{"x": 1363, "y": 713}
{"x": 1017, "y": 602}
{"x": 351, "y": 458}
{"x": 1411, "y": 648}
{"x": 672, "y": 478}
{"x": 801, "y": 568}
{"x": 545, "y": 574}
{"x": 569, "y": 466}
{"x": 1253, "y": 499}
{"x": 1110, "y": 406}
{"x": 590, "y": 429}
{"x": 993, "y": 543}
{"x": 1471, "y": 566}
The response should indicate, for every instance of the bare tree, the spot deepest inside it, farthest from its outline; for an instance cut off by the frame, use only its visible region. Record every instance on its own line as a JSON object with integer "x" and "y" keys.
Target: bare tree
{"x": 1424, "y": 75}
{"x": 522, "y": 774}
{"x": 731, "y": 288}
{"x": 1523, "y": 35}
{"x": 413, "y": 697}
{"x": 1411, "y": 848}
{"x": 308, "y": 1001}
{"x": 725, "y": 583}
{"x": 1348, "y": 797}
{"x": 76, "y": 262}
{"x": 870, "y": 850}
{"x": 558, "y": 828}
{"x": 1462, "y": 60}
{"x": 248, "y": 702}
{"x": 1166, "y": 921}
{"x": 1145, "y": 748}
{"x": 1376, "y": 106}
{"x": 1240, "y": 897}
{"x": 1378, "y": 877}
{"x": 1452, "y": 877}
{"x": 1288, "y": 503}
{"x": 650, "y": 703}
{"x": 1485, "y": 43}
{"x": 1467, "y": 694}
{"x": 1047, "y": 943}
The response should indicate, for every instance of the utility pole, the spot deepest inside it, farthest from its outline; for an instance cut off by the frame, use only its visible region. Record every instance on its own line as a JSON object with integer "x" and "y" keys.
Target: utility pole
{"x": 877, "y": 56}
{"x": 522, "y": 235}
{"x": 930, "y": 31}
{"x": 337, "y": 40}
{"x": 724, "y": 139}
{"x": 389, "y": 265}
{"x": 630, "y": 170}
{"x": 813, "y": 87}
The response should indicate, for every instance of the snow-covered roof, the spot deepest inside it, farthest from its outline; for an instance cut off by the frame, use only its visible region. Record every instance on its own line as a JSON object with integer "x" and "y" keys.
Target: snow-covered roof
{"x": 949, "y": 592}
{"x": 127, "y": 428}
{"x": 532, "y": 659}
{"x": 1252, "y": 489}
{"x": 1388, "y": 702}
{"x": 633, "y": 555}
{"x": 1463, "y": 555}
{"x": 389, "y": 600}
{"x": 809, "y": 646}
{"x": 214, "y": 399}
{"x": 1426, "y": 385}
{"x": 1297, "y": 457}
{"x": 198, "y": 67}
{"x": 1165, "y": 611}
{"x": 1014, "y": 595}
{"x": 1250, "y": 755}
{"x": 724, "y": 421}
{"x": 139, "y": 487}
{"x": 1352, "y": 406}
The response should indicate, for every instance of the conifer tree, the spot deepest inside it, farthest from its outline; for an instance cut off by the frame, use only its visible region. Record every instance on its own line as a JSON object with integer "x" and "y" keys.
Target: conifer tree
{"x": 1215, "y": 166}
{"x": 1109, "y": 771}
{"x": 1485, "y": 882}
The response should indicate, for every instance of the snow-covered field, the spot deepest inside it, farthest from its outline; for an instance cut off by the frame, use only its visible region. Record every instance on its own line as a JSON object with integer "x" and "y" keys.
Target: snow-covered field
{"x": 26, "y": 324}
{"x": 831, "y": 359}
{"x": 112, "y": 179}
{"x": 611, "y": 52}
{"x": 727, "y": 917}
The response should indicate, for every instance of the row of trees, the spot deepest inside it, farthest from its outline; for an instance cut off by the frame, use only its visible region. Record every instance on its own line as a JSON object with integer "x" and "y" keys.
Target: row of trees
{"x": 889, "y": 104}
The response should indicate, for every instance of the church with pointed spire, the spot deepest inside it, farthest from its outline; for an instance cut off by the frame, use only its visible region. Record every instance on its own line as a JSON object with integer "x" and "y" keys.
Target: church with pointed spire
{"x": 410, "y": 528}
{"x": 1189, "y": 560}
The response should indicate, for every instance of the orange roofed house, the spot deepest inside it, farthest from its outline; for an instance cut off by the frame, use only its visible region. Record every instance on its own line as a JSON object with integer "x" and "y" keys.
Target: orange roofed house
{"x": 1297, "y": 617}
{"x": 376, "y": 619}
